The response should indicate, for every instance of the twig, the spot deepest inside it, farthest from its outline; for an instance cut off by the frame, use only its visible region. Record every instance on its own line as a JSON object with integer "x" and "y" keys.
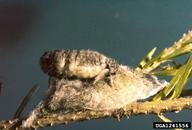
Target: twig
{"x": 137, "y": 108}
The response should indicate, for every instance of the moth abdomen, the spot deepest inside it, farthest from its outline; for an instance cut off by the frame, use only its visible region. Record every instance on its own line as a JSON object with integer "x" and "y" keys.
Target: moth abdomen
{"x": 52, "y": 62}
{"x": 81, "y": 64}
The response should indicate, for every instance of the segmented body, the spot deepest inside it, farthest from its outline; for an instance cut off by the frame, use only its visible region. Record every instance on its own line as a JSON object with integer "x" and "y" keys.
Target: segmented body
{"x": 72, "y": 63}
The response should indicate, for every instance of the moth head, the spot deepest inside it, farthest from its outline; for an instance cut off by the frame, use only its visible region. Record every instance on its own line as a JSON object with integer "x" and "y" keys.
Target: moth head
{"x": 112, "y": 65}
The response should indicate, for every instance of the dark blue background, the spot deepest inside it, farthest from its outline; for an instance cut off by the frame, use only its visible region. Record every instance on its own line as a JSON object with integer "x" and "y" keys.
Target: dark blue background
{"x": 123, "y": 30}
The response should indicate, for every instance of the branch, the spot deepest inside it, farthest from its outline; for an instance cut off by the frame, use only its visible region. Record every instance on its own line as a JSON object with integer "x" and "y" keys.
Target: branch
{"x": 137, "y": 108}
{"x": 178, "y": 49}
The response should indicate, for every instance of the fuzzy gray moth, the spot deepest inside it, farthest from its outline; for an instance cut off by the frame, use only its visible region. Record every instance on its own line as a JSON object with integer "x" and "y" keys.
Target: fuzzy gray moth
{"x": 116, "y": 86}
